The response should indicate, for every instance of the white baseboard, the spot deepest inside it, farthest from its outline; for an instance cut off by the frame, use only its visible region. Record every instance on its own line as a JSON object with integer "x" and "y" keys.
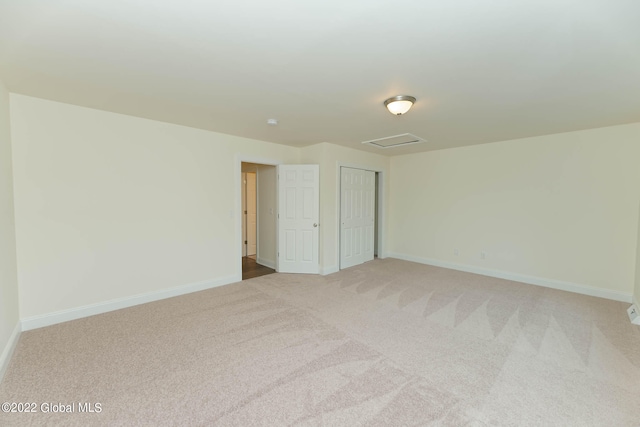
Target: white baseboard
{"x": 48, "y": 319}
{"x": 266, "y": 262}
{"x": 329, "y": 270}
{"x": 7, "y": 352}
{"x": 531, "y": 280}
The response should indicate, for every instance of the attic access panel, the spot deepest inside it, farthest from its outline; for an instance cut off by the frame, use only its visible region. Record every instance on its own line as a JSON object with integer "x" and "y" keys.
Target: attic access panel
{"x": 395, "y": 141}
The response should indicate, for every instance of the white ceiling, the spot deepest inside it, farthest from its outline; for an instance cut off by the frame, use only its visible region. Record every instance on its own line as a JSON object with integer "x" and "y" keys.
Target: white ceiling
{"x": 482, "y": 70}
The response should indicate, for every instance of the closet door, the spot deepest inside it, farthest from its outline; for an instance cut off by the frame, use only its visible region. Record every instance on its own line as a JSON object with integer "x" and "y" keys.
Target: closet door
{"x": 357, "y": 216}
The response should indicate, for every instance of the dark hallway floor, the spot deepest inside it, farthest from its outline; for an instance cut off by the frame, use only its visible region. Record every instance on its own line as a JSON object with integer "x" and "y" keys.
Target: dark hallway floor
{"x": 251, "y": 269}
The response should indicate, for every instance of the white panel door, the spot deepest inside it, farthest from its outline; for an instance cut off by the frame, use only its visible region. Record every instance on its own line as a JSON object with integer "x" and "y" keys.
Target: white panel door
{"x": 357, "y": 216}
{"x": 298, "y": 218}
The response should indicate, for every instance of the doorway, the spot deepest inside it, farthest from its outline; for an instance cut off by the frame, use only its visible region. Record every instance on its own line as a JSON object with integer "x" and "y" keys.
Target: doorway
{"x": 258, "y": 199}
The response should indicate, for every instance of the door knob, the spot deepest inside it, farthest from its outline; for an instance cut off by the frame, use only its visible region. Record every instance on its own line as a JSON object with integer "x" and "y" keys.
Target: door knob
{"x": 315, "y": 225}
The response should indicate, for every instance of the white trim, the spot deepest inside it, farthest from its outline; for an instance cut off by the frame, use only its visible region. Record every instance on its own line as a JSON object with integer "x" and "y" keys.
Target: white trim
{"x": 329, "y": 270}
{"x": 531, "y": 280}
{"x": 7, "y": 353}
{"x": 266, "y": 262}
{"x": 257, "y": 213}
{"x": 49, "y": 319}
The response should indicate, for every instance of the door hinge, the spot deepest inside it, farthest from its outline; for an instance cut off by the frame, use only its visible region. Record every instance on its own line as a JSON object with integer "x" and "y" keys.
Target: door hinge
{"x": 245, "y": 242}
{"x": 245, "y": 212}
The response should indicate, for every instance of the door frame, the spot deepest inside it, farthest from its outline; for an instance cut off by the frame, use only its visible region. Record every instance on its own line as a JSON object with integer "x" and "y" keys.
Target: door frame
{"x": 243, "y": 206}
{"x": 235, "y": 213}
{"x": 256, "y": 197}
{"x": 380, "y": 212}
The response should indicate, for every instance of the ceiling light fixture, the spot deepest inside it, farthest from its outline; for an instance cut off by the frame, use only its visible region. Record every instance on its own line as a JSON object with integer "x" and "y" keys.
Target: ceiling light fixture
{"x": 398, "y": 105}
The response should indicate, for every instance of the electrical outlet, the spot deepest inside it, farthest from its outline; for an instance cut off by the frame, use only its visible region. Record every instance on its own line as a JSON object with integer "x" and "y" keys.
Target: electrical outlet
{"x": 634, "y": 317}
{"x": 456, "y": 252}
{"x": 483, "y": 255}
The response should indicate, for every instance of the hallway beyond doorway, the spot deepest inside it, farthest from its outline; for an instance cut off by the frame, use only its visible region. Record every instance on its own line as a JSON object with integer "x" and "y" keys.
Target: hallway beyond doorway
{"x": 251, "y": 269}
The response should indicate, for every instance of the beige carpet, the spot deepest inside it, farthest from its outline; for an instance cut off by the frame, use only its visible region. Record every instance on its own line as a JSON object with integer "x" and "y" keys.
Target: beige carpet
{"x": 387, "y": 343}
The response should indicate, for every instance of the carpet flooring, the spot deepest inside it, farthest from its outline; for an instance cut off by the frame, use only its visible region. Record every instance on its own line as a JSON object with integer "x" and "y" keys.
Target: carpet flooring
{"x": 387, "y": 343}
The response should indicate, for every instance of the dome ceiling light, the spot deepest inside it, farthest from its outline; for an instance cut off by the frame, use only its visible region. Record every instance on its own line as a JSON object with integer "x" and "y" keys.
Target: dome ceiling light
{"x": 398, "y": 105}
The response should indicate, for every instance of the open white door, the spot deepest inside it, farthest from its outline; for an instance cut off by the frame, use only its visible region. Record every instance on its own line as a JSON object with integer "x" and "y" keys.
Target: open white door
{"x": 298, "y": 218}
{"x": 357, "y": 216}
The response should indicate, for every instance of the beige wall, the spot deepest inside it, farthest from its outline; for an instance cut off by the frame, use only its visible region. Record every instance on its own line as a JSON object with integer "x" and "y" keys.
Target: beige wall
{"x": 9, "y": 315}
{"x": 267, "y": 219}
{"x": 560, "y": 209}
{"x": 110, "y": 206}
{"x": 330, "y": 157}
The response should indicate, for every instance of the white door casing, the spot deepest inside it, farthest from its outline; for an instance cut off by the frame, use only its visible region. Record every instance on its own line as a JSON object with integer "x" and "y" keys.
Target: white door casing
{"x": 243, "y": 189}
{"x": 252, "y": 214}
{"x": 357, "y": 216}
{"x": 298, "y": 218}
